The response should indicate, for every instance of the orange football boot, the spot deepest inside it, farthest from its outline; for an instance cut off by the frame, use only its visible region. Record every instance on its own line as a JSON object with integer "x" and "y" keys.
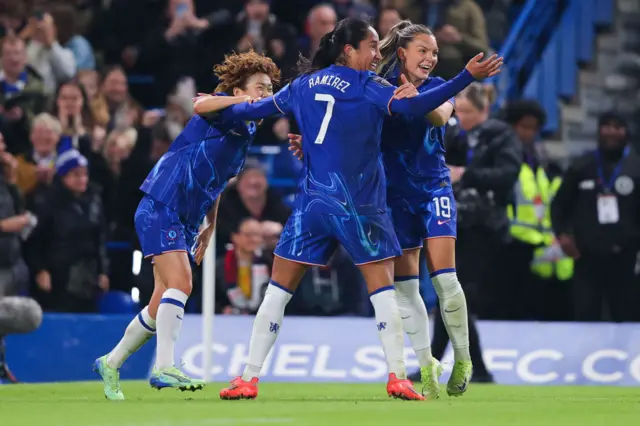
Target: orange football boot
{"x": 402, "y": 389}
{"x": 240, "y": 389}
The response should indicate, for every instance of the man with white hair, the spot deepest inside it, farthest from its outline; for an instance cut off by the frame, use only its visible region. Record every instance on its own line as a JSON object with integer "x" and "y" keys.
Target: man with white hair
{"x": 321, "y": 20}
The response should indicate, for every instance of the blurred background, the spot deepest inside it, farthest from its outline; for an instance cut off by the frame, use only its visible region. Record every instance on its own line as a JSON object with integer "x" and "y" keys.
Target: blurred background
{"x": 112, "y": 81}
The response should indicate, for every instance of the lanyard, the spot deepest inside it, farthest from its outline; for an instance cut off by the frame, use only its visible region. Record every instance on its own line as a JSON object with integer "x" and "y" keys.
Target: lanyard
{"x": 469, "y": 155}
{"x": 608, "y": 185}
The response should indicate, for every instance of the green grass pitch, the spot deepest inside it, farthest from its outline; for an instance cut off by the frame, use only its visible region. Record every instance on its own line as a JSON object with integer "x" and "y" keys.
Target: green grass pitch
{"x": 83, "y": 404}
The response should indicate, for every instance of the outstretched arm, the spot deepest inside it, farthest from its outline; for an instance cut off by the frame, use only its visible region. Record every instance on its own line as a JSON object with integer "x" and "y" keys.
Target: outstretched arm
{"x": 207, "y": 104}
{"x": 427, "y": 101}
{"x": 251, "y": 111}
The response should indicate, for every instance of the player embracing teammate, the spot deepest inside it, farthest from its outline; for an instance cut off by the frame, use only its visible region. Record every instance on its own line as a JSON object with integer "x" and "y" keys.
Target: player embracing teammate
{"x": 340, "y": 106}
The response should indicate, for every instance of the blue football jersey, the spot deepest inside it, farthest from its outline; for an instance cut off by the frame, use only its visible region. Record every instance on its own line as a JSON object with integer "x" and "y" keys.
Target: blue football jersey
{"x": 413, "y": 152}
{"x": 340, "y": 112}
{"x": 199, "y": 164}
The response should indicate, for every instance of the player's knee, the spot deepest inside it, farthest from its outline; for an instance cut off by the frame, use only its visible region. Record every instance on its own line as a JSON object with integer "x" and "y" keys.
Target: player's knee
{"x": 446, "y": 285}
{"x": 181, "y": 282}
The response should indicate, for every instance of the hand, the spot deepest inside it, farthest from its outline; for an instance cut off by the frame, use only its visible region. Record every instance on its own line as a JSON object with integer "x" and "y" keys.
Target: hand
{"x": 14, "y": 114}
{"x": 179, "y": 24}
{"x": 407, "y": 90}
{"x": 568, "y": 245}
{"x": 46, "y": 30}
{"x": 45, "y": 174}
{"x": 150, "y": 118}
{"x": 456, "y": 173}
{"x": 103, "y": 282}
{"x": 488, "y": 68}
{"x": 246, "y": 43}
{"x": 198, "y": 23}
{"x": 43, "y": 279}
{"x": 295, "y": 145}
{"x": 281, "y": 128}
{"x": 79, "y": 127}
{"x": 202, "y": 242}
{"x": 277, "y": 48}
{"x": 98, "y": 137}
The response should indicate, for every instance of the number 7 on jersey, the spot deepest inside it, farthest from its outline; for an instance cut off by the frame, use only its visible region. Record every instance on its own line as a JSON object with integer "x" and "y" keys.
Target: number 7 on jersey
{"x": 330, "y": 100}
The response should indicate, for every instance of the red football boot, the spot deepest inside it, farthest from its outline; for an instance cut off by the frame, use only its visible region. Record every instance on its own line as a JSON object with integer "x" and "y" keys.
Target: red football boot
{"x": 240, "y": 389}
{"x": 402, "y": 389}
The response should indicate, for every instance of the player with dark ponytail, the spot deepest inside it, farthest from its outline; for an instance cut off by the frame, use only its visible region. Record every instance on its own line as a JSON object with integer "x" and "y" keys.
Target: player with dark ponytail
{"x": 340, "y": 105}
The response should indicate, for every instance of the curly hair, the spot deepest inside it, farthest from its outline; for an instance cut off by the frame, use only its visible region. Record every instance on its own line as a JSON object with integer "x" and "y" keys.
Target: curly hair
{"x": 237, "y": 68}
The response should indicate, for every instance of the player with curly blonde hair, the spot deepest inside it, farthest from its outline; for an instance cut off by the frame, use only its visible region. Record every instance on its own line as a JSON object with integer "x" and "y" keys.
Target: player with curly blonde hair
{"x": 182, "y": 189}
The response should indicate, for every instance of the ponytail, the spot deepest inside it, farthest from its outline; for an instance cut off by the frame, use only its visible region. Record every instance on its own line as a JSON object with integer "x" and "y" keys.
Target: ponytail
{"x": 389, "y": 44}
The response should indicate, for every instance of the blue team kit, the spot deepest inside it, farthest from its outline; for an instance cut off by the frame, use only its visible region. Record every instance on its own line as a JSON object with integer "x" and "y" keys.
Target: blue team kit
{"x": 184, "y": 184}
{"x": 419, "y": 193}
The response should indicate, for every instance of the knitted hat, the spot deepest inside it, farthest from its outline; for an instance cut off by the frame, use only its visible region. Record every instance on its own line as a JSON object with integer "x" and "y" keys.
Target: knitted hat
{"x": 68, "y": 161}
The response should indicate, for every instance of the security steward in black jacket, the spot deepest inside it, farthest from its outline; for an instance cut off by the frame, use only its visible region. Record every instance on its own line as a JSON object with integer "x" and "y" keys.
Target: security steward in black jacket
{"x": 484, "y": 156}
{"x": 596, "y": 218}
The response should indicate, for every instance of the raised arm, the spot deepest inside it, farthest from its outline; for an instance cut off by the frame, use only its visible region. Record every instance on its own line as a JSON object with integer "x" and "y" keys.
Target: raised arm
{"x": 428, "y": 101}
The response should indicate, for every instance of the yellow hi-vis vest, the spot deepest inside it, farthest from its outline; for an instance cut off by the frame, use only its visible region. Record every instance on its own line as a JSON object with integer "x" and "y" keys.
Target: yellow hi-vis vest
{"x": 528, "y": 215}
{"x": 550, "y": 261}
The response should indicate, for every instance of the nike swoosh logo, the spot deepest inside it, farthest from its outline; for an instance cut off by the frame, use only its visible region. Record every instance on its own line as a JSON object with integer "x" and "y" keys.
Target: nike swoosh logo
{"x": 455, "y": 310}
{"x": 411, "y": 334}
{"x": 406, "y": 317}
{"x": 179, "y": 317}
{"x": 442, "y": 222}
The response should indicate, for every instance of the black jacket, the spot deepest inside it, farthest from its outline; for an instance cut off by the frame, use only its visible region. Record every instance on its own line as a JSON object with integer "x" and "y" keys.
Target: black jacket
{"x": 574, "y": 209}
{"x": 70, "y": 236}
{"x": 10, "y": 205}
{"x": 492, "y": 155}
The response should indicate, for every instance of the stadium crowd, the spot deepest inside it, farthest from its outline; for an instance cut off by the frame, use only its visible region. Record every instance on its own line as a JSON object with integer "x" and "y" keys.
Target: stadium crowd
{"x": 92, "y": 93}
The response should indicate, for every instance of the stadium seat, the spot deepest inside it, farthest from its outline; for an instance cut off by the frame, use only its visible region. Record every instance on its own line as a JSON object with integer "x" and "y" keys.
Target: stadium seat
{"x": 117, "y": 302}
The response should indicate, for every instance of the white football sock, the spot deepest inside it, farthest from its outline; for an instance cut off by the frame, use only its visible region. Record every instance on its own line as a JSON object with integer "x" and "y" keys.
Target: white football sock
{"x": 265, "y": 328}
{"x": 168, "y": 324}
{"x": 453, "y": 308}
{"x": 415, "y": 319}
{"x": 138, "y": 332}
{"x": 389, "y": 326}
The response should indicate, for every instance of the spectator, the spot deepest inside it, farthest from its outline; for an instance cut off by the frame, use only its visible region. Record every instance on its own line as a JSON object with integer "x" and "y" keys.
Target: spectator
{"x": 36, "y": 168}
{"x": 249, "y": 197}
{"x": 67, "y": 253}
{"x": 21, "y": 94}
{"x": 114, "y": 107}
{"x": 244, "y": 271}
{"x": 354, "y": 9}
{"x": 485, "y": 157}
{"x": 65, "y": 19}
{"x": 75, "y": 117}
{"x": 90, "y": 82}
{"x": 56, "y": 64}
{"x": 595, "y": 217}
{"x": 12, "y": 14}
{"x": 15, "y": 225}
{"x": 178, "y": 41}
{"x": 387, "y": 18}
{"x": 321, "y": 20}
{"x": 459, "y": 26}
{"x": 256, "y": 28}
